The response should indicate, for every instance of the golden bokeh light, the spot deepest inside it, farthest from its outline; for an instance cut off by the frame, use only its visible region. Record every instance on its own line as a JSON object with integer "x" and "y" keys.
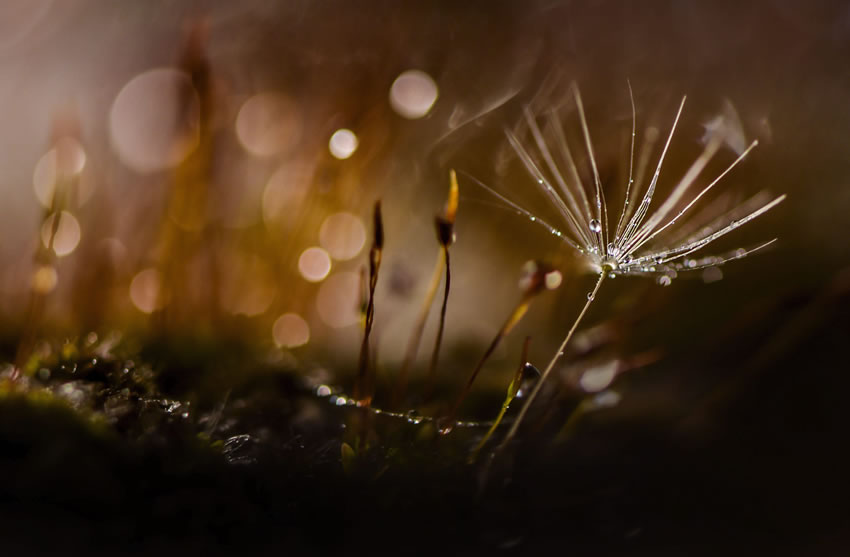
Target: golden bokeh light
{"x": 338, "y": 300}
{"x": 413, "y": 94}
{"x": 285, "y": 191}
{"x": 314, "y": 264}
{"x": 145, "y": 290}
{"x": 268, "y": 124}
{"x": 62, "y": 238}
{"x": 65, "y": 160}
{"x": 44, "y": 279}
{"x": 343, "y": 143}
{"x": 154, "y": 122}
{"x": 342, "y": 235}
{"x": 290, "y": 330}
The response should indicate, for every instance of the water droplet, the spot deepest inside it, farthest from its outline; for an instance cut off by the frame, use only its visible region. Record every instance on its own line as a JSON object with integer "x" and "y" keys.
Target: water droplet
{"x": 445, "y": 426}
{"x": 414, "y": 417}
{"x": 627, "y": 259}
{"x": 612, "y": 275}
{"x": 690, "y": 263}
{"x": 659, "y": 259}
{"x": 323, "y": 390}
{"x": 606, "y": 399}
{"x": 595, "y": 226}
{"x": 590, "y": 296}
{"x": 613, "y": 250}
{"x": 664, "y": 280}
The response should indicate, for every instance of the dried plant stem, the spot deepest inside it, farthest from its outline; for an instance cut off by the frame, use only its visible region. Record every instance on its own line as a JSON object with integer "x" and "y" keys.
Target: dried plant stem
{"x": 364, "y": 383}
{"x": 435, "y": 355}
{"x": 416, "y": 336}
{"x": 512, "y": 320}
{"x": 513, "y": 389}
{"x": 524, "y": 410}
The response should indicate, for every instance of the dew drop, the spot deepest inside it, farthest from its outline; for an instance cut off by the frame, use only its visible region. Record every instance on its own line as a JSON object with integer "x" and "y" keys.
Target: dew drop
{"x": 690, "y": 263}
{"x": 414, "y": 417}
{"x": 445, "y": 426}
{"x": 659, "y": 259}
{"x": 613, "y": 250}
{"x": 590, "y": 296}
{"x": 595, "y": 226}
{"x": 664, "y": 280}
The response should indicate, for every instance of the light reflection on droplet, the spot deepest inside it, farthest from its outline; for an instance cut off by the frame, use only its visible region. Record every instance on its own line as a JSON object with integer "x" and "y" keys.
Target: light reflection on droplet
{"x": 314, "y": 264}
{"x": 343, "y": 235}
{"x": 413, "y": 93}
{"x": 144, "y": 290}
{"x": 343, "y": 143}
{"x": 155, "y": 120}
{"x": 268, "y": 124}
{"x": 290, "y": 330}
{"x": 44, "y": 279}
{"x": 599, "y": 377}
{"x": 338, "y": 298}
{"x": 67, "y": 234}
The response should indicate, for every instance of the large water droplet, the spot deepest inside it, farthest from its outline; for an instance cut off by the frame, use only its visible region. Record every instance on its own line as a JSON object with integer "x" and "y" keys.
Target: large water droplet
{"x": 595, "y": 226}
{"x": 613, "y": 250}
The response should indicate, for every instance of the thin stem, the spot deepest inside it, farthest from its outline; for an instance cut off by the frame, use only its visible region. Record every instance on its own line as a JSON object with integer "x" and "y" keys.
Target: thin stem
{"x": 419, "y": 327}
{"x": 524, "y": 410}
{"x": 513, "y": 389}
{"x": 512, "y": 320}
{"x": 435, "y": 355}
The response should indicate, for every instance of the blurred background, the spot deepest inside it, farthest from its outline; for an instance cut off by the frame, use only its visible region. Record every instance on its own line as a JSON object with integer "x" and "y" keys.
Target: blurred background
{"x": 249, "y": 143}
{"x": 209, "y": 168}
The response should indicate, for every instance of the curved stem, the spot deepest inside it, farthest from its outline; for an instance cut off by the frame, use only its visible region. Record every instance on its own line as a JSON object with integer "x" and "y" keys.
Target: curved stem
{"x": 524, "y": 410}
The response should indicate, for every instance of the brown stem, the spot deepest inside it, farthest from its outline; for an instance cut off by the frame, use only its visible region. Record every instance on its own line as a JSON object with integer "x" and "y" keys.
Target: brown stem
{"x": 524, "y": 410}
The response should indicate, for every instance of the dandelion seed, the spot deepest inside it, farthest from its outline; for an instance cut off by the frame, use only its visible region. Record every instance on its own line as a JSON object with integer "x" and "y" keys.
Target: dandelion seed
{"x": 631, "y": 245}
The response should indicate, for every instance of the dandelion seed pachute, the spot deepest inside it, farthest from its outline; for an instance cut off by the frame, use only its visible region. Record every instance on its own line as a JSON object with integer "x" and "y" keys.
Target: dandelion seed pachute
{"x": 643, "y": 239}
{"x": 635, "y": 245}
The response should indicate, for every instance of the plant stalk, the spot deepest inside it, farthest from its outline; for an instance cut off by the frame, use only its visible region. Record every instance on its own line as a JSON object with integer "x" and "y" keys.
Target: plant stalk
{"x": 524, "y": 410}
